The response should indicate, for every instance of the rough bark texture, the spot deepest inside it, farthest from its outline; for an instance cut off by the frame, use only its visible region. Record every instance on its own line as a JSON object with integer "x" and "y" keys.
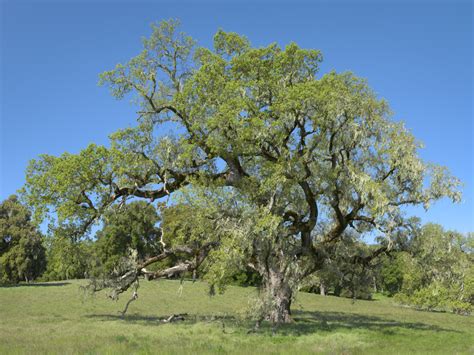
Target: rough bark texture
{"x": 279, "y": 295}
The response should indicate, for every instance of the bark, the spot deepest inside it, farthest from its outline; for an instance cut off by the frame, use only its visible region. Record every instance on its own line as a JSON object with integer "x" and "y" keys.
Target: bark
{"x": 279, "y": 294}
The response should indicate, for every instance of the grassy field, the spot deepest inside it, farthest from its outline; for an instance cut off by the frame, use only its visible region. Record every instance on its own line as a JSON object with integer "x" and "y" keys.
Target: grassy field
{"x": 57, "y": 318}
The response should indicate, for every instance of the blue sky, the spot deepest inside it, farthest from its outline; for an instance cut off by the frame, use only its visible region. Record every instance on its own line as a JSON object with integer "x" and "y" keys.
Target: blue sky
{"x": 417, "y": 55}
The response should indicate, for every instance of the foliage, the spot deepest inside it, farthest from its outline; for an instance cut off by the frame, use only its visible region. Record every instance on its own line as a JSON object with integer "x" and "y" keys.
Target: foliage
{"x": 390, "y": 274}
{"x": 438, "y": 275}
{"x": 203, "y": 216}
{"x": 68, "y": 258}
{"x": 129, "y": 227}
{"x": 343, "y": 274}
{"x": 22, "y": 254}
{"x": 247, "y": 277}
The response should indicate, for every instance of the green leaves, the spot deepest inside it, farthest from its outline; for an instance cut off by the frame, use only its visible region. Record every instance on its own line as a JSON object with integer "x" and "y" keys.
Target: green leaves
{"x": 130, "y": 227}
{"x": 438, "y": 272}
{"x": 230, "y": 43}
{"x": 68, "y": 185}
{"x": 22, "y": 254}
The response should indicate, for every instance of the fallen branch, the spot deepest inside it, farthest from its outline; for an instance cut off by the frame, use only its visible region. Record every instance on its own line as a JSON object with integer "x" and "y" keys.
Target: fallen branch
{"x": 174, "y": 318}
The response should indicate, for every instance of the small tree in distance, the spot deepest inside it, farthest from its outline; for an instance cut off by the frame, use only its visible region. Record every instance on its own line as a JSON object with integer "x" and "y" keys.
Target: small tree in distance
{"x": 275, "y": 162}
{"x": 67, "y": 257}
{"x": 22, "y": 254}
{"x": 438, "y": 273}
{"x": 132, "y": 226}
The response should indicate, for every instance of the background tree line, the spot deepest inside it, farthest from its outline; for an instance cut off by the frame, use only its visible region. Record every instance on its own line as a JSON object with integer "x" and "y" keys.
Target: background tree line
{"x": 430, "y": 269}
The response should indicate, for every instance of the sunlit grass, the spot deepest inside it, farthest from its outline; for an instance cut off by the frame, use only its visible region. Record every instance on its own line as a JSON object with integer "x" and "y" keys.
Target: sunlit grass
{"x": 57, "y": 318}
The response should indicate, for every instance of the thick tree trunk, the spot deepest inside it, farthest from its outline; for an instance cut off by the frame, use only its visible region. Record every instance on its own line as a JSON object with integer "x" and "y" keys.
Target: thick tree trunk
{"x": 279, "y": 294}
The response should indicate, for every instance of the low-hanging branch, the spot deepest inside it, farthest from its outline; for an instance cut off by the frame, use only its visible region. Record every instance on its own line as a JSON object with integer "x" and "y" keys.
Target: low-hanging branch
{"x": 193, "y": 258}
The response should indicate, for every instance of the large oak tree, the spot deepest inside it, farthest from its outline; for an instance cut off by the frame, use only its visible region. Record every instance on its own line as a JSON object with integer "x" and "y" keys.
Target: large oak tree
{"x": 274, "y": 161}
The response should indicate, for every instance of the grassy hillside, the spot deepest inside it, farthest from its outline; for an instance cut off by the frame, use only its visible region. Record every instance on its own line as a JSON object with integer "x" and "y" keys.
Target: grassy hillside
{"x": 56, "y": 318}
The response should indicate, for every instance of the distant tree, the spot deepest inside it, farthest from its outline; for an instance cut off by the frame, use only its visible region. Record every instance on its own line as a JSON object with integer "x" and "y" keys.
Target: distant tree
{"x": 68, "y": 258}
{"x": 342, "y": 273}
{"x": 439, "y": 271}
{"x": 22, "y": 254}
{"x": 128, "y": 227}
{"x": 390, "y": 273}
{"x": 281, "y": 159}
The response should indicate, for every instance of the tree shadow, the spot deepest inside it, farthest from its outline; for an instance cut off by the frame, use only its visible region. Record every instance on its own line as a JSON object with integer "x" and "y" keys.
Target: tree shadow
{"x": 129, "y": 318}
{"x": 317, "y": 321}
{"x": 305, "y": 322}
{"x": 37, "y": 284}
{"x": 159, "y": 319}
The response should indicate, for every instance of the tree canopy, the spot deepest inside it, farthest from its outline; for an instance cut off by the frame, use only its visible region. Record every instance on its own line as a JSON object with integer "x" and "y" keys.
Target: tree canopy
{"x": 22, "y": 254}
{"x": 438, "y": 271}
{"x": 132, "y": 227}
{"x": 277, "y": 158}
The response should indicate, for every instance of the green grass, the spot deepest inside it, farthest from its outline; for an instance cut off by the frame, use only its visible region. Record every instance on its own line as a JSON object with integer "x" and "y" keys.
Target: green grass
{"x": 56, "y": 318}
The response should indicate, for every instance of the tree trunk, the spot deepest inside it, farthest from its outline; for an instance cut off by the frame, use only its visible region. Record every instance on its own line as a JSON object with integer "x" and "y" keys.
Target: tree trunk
{"x": 322, "y": 289}
{"x": 278, "y": 293}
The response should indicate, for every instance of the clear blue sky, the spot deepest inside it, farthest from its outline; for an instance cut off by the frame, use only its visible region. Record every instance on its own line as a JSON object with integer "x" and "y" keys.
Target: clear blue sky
{"x": 417, "y": 55}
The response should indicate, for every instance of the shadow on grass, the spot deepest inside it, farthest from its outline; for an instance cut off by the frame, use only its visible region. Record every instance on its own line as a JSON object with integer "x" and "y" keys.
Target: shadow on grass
{"x": 37, "y": 284}
{"x": 305, "y": 322}
{"x": 158, "y": 320}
